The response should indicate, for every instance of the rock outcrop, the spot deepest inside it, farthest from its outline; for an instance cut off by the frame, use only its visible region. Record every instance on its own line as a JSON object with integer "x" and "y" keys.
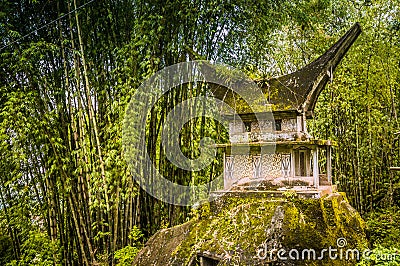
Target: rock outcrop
{"x": 255, "y": 229}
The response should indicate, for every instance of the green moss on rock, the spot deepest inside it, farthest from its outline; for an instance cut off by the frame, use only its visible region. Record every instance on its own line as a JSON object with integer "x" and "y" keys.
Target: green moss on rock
{"x": 239, "y": 227}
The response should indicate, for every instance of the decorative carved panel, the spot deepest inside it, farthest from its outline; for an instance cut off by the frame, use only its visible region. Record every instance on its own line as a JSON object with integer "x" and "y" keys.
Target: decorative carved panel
{"x": 271, "y": 165}
{"x": 243, "y": 166}
{"x": 229, "y": 167}
{"x": 236, "y": 127}
{"x": 265, "y": 125}
{"x": 268, "y": 166}
{"x": 257, "y": 169}
{"x": 286, "y": 165}
{"x": 239, "y": 138}
{"x": 289, "y": 125}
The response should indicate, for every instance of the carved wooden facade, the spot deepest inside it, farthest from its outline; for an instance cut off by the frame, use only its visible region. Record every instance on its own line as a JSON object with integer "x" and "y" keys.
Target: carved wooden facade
{"x": 290, "y": 157}
{"x": 275, "y": 145}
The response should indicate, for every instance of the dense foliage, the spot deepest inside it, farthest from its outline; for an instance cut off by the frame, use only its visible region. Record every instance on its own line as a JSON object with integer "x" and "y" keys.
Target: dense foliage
{"x": 68, "y": 69}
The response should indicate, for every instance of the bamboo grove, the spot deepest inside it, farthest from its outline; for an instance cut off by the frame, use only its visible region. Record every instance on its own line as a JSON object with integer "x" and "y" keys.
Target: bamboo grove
{"x": 69, "y": 68}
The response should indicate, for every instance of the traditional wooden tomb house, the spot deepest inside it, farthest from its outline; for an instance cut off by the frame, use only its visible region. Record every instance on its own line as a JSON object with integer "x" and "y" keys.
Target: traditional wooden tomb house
{"x": 232, "y": 228}
{"x": 293, "y": 155}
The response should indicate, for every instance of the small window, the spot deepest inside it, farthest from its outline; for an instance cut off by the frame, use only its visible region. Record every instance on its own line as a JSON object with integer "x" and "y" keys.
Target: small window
{"x": 247, "y": 126}
{"x": 278, "y": 125}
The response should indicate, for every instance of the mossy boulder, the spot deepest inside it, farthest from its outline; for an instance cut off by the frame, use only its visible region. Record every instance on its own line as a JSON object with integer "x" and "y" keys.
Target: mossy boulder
{"x": 251, "y": 228}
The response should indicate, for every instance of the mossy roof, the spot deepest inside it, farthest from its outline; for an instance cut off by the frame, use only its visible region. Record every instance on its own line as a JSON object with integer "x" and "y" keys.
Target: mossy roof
{"x": 296, "y": 91}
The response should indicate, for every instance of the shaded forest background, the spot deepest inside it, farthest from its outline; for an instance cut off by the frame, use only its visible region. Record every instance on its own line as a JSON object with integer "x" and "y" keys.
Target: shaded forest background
{"x": 66, "y": 196}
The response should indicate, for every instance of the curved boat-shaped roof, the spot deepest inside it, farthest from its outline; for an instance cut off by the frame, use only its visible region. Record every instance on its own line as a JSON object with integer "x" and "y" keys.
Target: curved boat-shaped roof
{"x": 297, "y": 91}
{"x": 300, "y": 90}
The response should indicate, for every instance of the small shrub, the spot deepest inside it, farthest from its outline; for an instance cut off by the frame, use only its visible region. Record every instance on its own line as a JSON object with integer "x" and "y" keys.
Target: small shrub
{"x": 126, "y": 255}
{"x": 38, "y": 249}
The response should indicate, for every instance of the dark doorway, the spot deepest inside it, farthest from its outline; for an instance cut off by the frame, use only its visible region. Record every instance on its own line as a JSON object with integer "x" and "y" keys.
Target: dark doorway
{"x": 278, "y": 125}
{"x": 302, "y": 163}
{"x": 204, "y": 261}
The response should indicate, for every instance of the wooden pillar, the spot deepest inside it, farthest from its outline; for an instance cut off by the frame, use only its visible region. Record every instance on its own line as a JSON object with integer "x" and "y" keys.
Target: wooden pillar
{"x": 292, "y": 164}
{"x": 315, "y": 168}
{"x": 225, "y": 175}
{"x": 299, "y": 123}
{"x": 308, "y": 163}
{"x": 329, "y": 164}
